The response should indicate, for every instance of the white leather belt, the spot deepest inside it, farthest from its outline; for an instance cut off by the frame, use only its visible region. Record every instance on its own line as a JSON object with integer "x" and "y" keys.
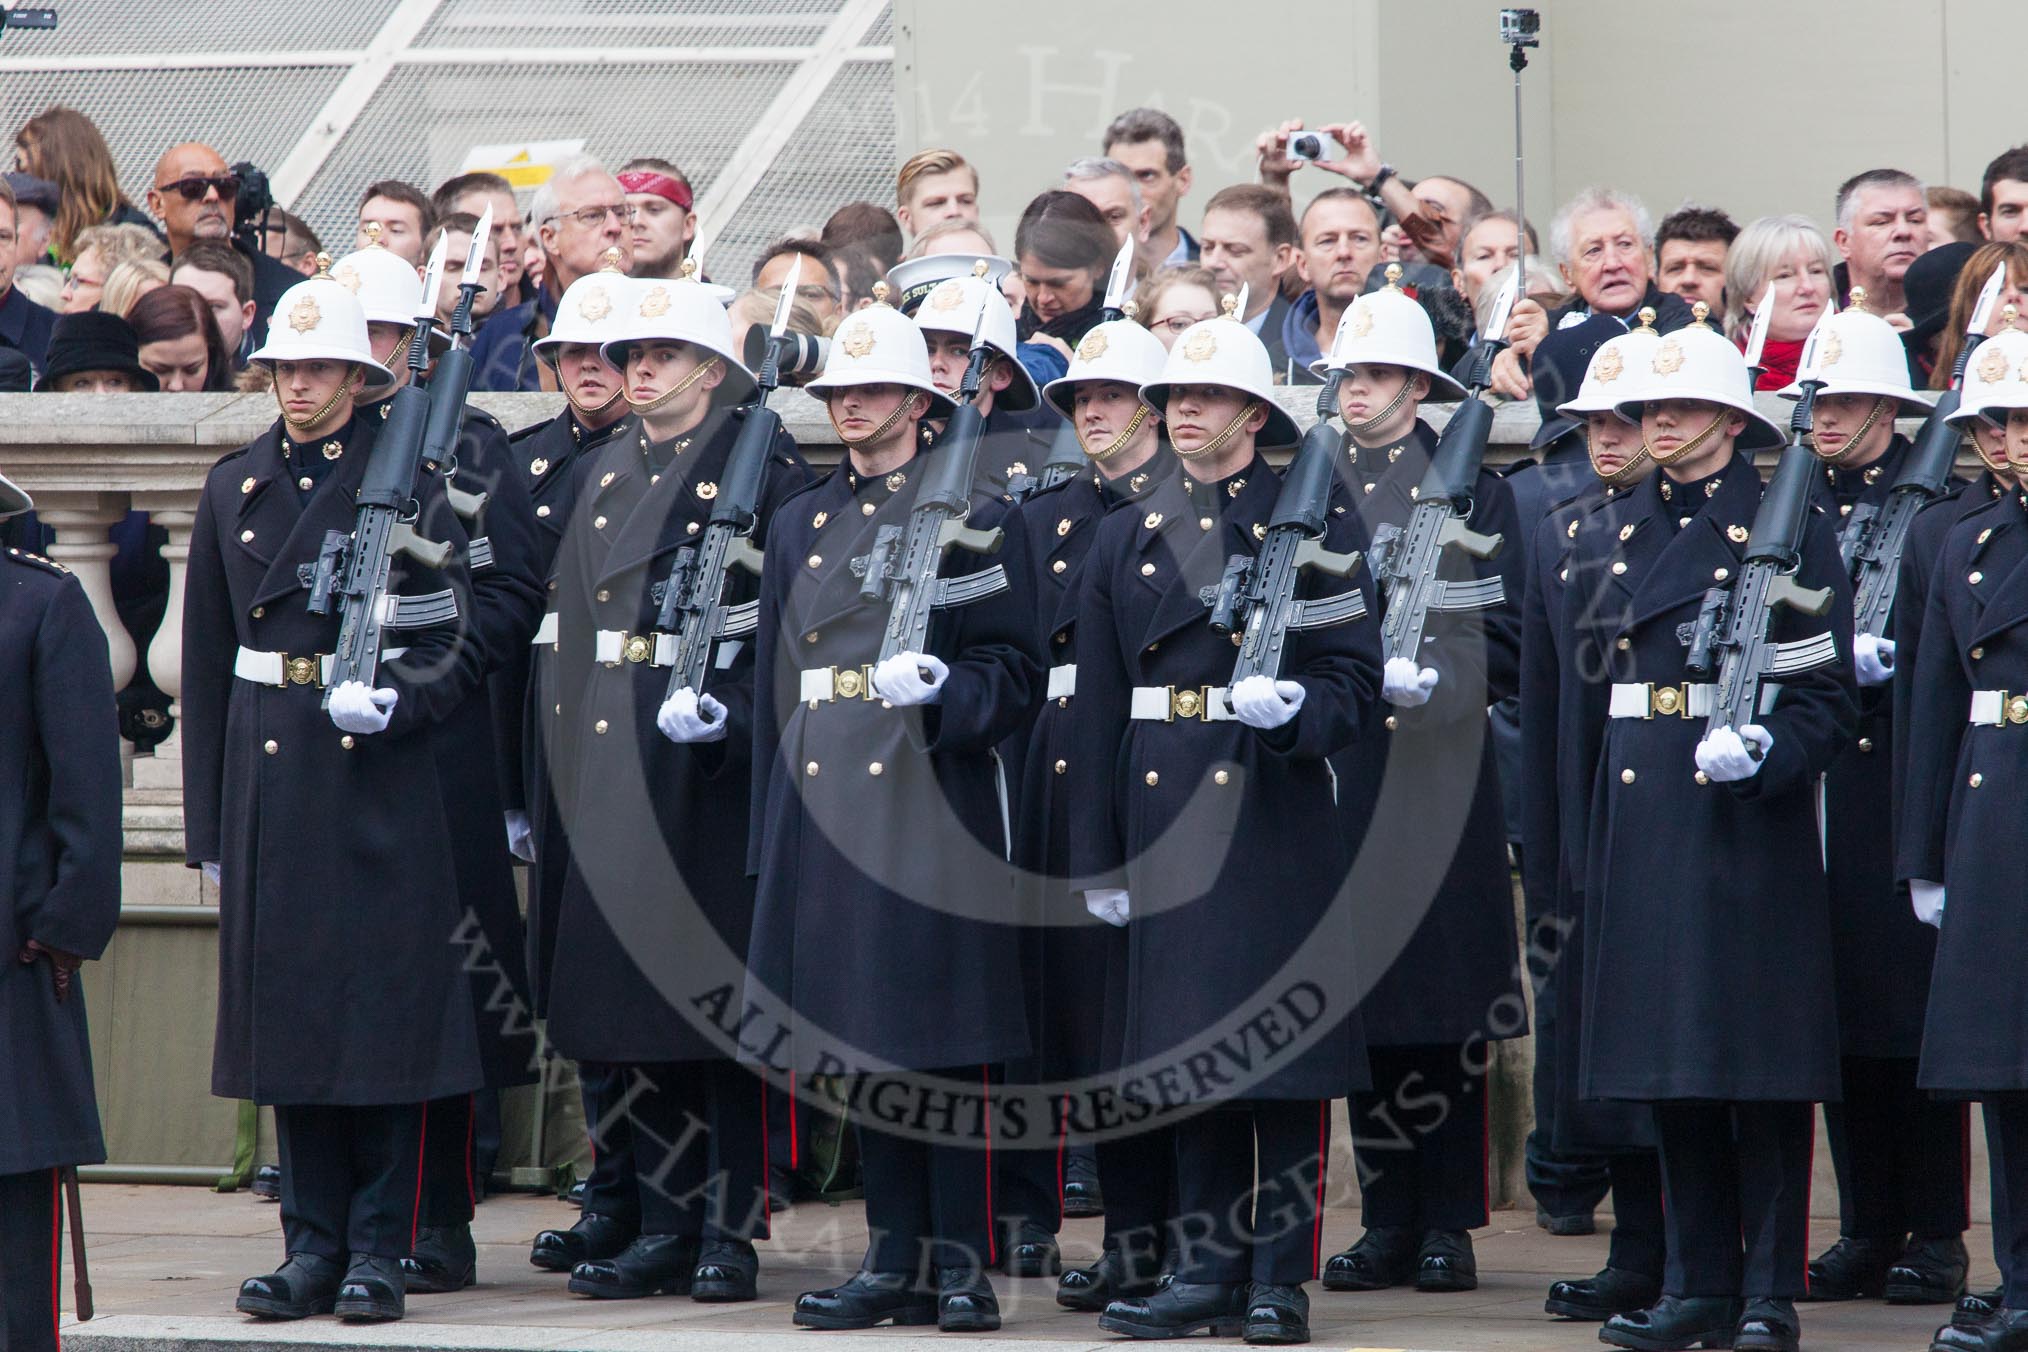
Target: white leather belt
{"x": 1063, "y": 681}
{"x": 614, "y": 646}
{"x": 1642, "y": 699}
{"x": 1167, "y": 703}
{"x": 1997, "y": 708}
{"x": 546, "y": 631}
{"x": 829, "y": 683}
{"x": 282, "y": 670}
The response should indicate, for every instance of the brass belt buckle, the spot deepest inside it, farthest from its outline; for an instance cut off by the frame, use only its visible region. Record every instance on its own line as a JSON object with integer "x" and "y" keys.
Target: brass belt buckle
{"x": 851, "y": 682}
{"x": 301, "y": 670}
{"x": 638, "y": 647}
{"x": 2016, "y": 707}
{"x": 1668, "y": 700}
{"x": 1186, "y": 703}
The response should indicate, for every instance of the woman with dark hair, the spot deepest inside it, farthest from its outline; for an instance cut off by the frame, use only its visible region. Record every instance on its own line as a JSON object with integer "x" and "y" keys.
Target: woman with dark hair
{"x": 179, "y": 340}
{"x": 1972, "y": 278}
{"x": 1063, "y": 248}
{"x": 65, "y": 147}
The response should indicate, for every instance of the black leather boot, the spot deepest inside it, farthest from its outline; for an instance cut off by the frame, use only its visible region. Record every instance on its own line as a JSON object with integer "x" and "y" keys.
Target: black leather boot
{"x": 1082, "y": 1197}
{"x": 1180, "y": 1308}
{"x": 1384, "y": 1256}
{"x": 303, "y": 1285}
{"x": 1613, "y": 1291}
{"x": 2005, "y": 1331}
{"x": 1276, "y": 1315}
{"x": 1976, "y": 1307}
{"x": 653, "y": 1265}
{"x": 867, "y": 1299}
{"x": 1446, "y": 1262}
{"x": 1929, "y": 1272}
{"x": 373, "y": 1290}
{"x": 1852, "y": 1269}
{"x": 1674, "y": 1323}
{"x": 1030, "y": 1251}
{"x": 1093, "y": 1288}
{"x": 965, "y": 1301}
{"x": 443, "y": 1259}
{"x": 596, "y": 1236}
{"x": 727, "y": 1270}
{"x": 1768, "y": 1325}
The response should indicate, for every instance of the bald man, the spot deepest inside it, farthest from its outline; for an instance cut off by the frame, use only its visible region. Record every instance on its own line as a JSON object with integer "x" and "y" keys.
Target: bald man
{"x": 193, "y": 196}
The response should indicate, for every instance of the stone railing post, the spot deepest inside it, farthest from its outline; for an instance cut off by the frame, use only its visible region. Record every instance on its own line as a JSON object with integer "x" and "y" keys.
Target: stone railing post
{"x": 80, "y": 522}
{"x": 176, "y": 513}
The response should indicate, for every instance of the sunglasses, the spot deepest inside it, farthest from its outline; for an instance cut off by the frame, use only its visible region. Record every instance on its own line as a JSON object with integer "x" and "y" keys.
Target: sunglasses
{"x": 194, "y": 188}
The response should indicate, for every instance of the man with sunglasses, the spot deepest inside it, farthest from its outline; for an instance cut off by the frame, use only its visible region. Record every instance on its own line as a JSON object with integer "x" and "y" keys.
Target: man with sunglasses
{"x": 578, "y": 215}
{"x": 193, "y": 196}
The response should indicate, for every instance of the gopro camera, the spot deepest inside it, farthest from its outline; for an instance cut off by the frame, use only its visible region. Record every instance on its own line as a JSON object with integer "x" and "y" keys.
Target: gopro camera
{"x": 1521, "y": 27}
{"x": 1314, "y": 146}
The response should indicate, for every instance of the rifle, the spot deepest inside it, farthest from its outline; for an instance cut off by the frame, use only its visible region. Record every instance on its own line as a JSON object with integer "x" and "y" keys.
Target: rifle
{"x": 450, "y": 382}
{"x": 1732, "y": 623}
{"x": 1876, "y": 536}
{"x": 354, "y": 567}
{"x": 1256, "y": 595}
{"x": 901, "y": 568}
{"x": 1066, "y": 459}
{"x": 693, "y": 610}
{"x": 1404, "y": 559}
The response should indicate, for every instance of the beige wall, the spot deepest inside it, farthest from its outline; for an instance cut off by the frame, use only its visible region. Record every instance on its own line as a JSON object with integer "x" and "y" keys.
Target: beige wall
{"x": 1754, "y": 105}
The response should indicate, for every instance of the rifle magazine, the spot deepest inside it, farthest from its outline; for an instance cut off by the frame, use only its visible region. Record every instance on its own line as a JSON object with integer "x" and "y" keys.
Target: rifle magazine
{"x": 962, "y": 591}
{"x": 418, "y": 612}
{"x": 1328, "y": 610}
{"x": 738, "y": 621}
{"x": 1478, "y": 594}
{"x": 1805, "y": 654}
{"x": 479, "y": 553}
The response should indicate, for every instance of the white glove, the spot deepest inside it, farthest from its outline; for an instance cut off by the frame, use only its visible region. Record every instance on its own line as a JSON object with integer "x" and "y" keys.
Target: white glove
{"x": 1874, "y": 657}
{"x": 1108, "y": 904}
{"x": 354, "y": 708}
{"x": 520, "y": 836}
{"x": 900, "y": 682}
{"x": 1928, "y": 900}
{"x": 1263, "y": 702}
{"x": 687, "y": 716}
{"x": 211, "y": 871}
{"x": 1728, "y": 754}
{"x": 1404, "y": 686}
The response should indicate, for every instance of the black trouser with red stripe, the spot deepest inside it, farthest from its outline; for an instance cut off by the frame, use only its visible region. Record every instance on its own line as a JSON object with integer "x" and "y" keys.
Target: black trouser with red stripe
{"x": 351, "y": 1178}
{"x": 700, "y": 1149}
{"x": 1900, "y": 1155}
{"x": 1138, "y": 1176}
{"x": 1250, "y": 1191}
{"x": 449, "y": 1193}
{"x": 31, "y": 1237}
{"x": 1736, "y": 1188}
{"x": 929, "y": 1188}
{"x": 1420, "y": 1138}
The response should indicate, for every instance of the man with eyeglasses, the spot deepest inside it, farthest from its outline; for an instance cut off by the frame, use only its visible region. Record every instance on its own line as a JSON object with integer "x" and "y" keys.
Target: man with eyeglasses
{"x": 193, "y": 197}
{"x": 24, "y": 325}
{"x": 817, "y": 286}
{"x": 579, "y": 215}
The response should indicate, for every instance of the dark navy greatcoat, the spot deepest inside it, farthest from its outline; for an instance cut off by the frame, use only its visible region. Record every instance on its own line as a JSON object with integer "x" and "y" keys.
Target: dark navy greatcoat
{"x": 507, "y": 590}
{"x": 1220, "y": 833}
{"x": 1880, "y": 951}
{"x": 1565, "y": 685}
{"x": 547, "y": 455}
{"x": 340, "y": 973}
{"x": 656, "y": 891}
{"x": 1974, "y": 637}
{"x": 1706, "y": 903}
{"x": 60, "y": 833}
{"x": 1456, "y": 974}
{"x": 1074, "y": 962}
{"x": 881, "y": 835}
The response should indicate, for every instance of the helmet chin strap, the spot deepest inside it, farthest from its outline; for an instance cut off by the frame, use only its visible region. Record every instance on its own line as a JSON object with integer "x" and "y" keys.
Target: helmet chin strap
{"x": 323, "y": 412}
{"x": 1620, "y": 475}
{"x": 1370, "y": 424}
{"x": 678, "y": 388}
{"x": 1224, "y": 436}
{"x": 593, "y": 410}
{"x": 877, "y": 433}
{"x": 1852, "y": 442}
{"x": 1126, "y": 435}
{"x": 1689, "y": 447}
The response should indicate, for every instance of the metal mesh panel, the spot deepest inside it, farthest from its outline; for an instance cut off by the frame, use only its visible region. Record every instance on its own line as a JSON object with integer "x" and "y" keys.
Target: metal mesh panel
{"x": 424, "y": 119}
{"x": 726, "y": 23}
{"x": 128, "y": 26}
{"x": 811, "y": 178}
{"x": 881, "y": 34}
{"x": 247, "y": 115}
